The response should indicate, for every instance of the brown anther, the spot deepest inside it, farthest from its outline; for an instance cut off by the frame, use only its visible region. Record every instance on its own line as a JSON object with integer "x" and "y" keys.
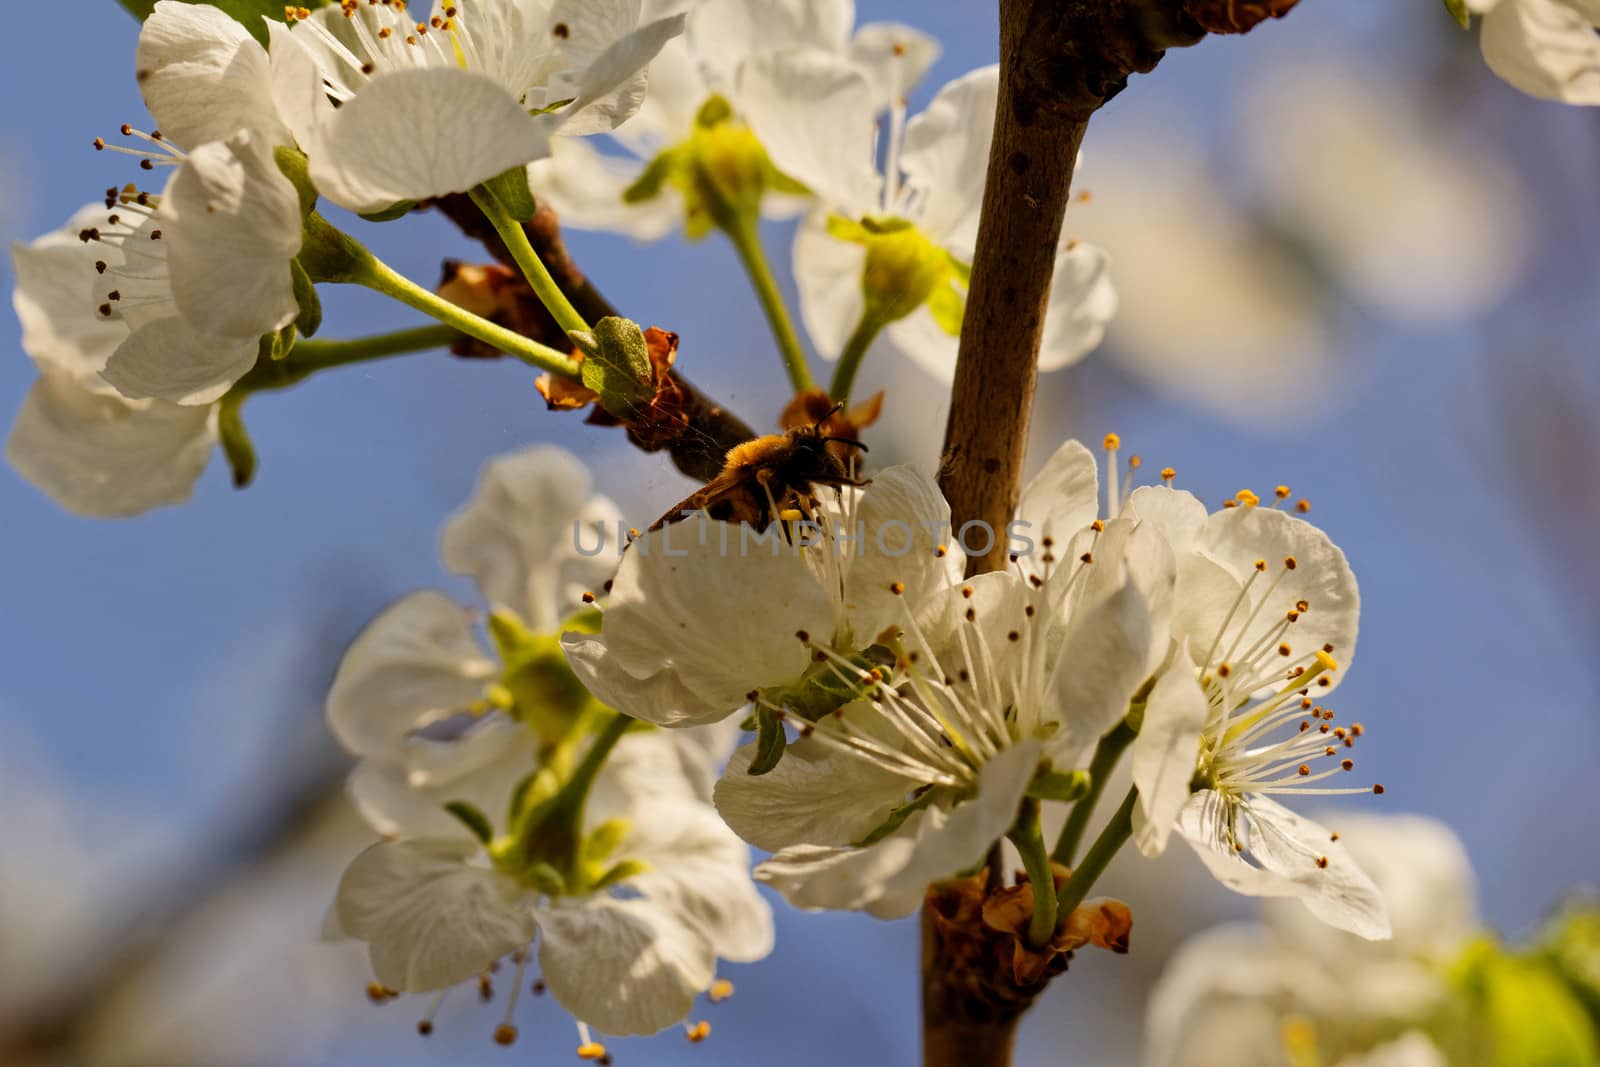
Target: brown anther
{"x": 966, "y": 591}
{"x": 1357, "y": 729}
{"x": 1097, "y": 526}
{"x": 99, "y": 144}
{"x": 505, "y": 1034}
{"x": 1049, "y": 542}
{"x": 802, "y": 635}
{"x": 1223, "y": 670}
{"x": 1013, "y": 636}
{"x": 561, "y": 30}
{"x": 1290, "y": 562}
{"x": 588, "y": 598}
{"x": 1261, "y": 565}
{"x": 1283, "y": 650}
{"x": 1378, "y": 790}
{"x": 963, "y": 675}
{"x": 1302, "y": 506}
{"x": 898, "y": 49}
{"x": 1348, "y": 764}
{"x": 1302, "y": 606}
{"x": 485, "y": 988}
{"x": 972, "y": 615}
{"x": 1304, "y": 726}
{"x": 424, "y": 1027}
{"x": 1329, "y": 751}
{"x": 1087, "y": 557}
{"x": 1305, "y": 703}
{"x": 1282, "y": 492}
{"x": 1029, "y": 611}
{"x": 897, "y": 588}
{"x": 1135, "y": 462}
{"x": 1334, "y": 836}
{"x": 1293, "y": 616}
{"x": 1304, "y": 770}
{"x": 1322, "y": 861}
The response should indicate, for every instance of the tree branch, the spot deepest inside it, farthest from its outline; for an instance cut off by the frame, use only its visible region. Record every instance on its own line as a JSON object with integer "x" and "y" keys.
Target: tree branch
{"x": 709, "y": 430}
{"x": 1060, "y": 61}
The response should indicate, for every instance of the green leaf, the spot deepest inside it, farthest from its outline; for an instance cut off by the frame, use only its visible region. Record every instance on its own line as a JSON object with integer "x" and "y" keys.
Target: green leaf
{"x": 511, "y": 189}
{"x": 472, "y": 819}
{"x": 305, "y": 295}
{"x": 247, "y": 13}
{"x": 1458, "y": 11}
{"x": 236, "y": 445}
{"x": 770, "y": 741}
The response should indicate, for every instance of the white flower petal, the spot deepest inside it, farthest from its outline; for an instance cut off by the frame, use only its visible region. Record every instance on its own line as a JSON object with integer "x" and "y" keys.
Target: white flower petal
{"x": 415, "y": 664}
{"x": 946, "y": 157}
{"x": 724, "y": 32}
{"x": 888, "y": 879}
{"x": 660, "y": 697}
{"x": 611, "y": 88}
{"x": 405, "y": 796}
{"x": 1411, "y": 1049}
{"x": 585, "y": 188}
{"x": 901, "y": 520}
{"x": 518, "y": 536}
{"x": 1164, "y": 756}
{"x": 1103, "y": 660}
{"x": 204, "y": 77}
{"x": 827, "y": 273}
{"x": 813, "y": 113}
{"x": 430, "y": 918}
{"x": 1175, "y": 513}
{"x": 623, "y": 966}
{"x": 55, "y": 301}
{"x": 700, "y": 870}
{"x": 921, "y": 339}
{"x": 895, "y": 57}
{"x": 1063, "y": 497}
{"x": 1544, "y": 47}
{"x": 167, "y": 359}
{"x": 401, "y": 137}
{"x": 235, "y": 225}
{"x": 106, "y": 457}
{"x": 1235, "y": 539}
{"x": 684, "y": 593}
{"x": 1082, "y": 303}
{"x": 660, "y": 763}
{"x": 1283, "y": 849}
{"x": 816, "y": 795}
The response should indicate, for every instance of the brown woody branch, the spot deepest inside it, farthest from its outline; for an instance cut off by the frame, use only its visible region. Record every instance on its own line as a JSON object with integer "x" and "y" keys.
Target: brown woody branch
{"x": 1060, "y": 61}
{"x": 705, "y": 429}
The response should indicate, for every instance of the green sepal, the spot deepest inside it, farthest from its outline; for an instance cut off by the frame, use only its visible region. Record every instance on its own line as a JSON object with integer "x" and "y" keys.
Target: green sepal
{"x": 546, "y": 879}
{"x": 328, "y": 254}
{"x": 616, "y": 364}
{"x": 749, "y": 724}
{"x": 397, "y": 210}
{"x": 550, "y": 108}
{"x": 647, "y": 186}
{"x": 237, "y": 448}
{"x": 604, "y": 840}
{"x": 897, "y": 817}
{"x": 510, "y": 188}
{"x": 1458, "y": 11}
{"x": 1055, "y": 785}
{"x": 472, "y": 819}
{"x": 1518, "y": 1012}
{"x": 545, "y": 694}
{"x": 948, "y": 307}
{"x": 293, "y": 165}
{"x": 821, "y": 690}
{"x": 248, "y": 13}
{"x": 850, "y": 230}
{"x": 586, "y": 620}
{"x": 534, "y": 789}
{"x": 770, "y": 741}
{"x": 618, "y": 874}
{"x": 305, "y": 295}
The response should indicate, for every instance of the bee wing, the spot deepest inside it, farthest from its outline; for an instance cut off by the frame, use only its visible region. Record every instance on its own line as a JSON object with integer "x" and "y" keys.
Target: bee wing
{"x": 726, "y": 497}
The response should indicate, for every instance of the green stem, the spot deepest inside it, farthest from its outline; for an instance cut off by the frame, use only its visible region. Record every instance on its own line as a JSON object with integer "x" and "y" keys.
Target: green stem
{"x": 844, "y": 375}
{"x": 1112, "y": 837}
{"x": 741, "y": 230}
{"x": 375, "y": 274}
{"x": 532, "y": 267}
{"x": 553, "y": 833}
{"x": 321, "y": 355}
{"x": 1105, "y": 759}
{"x": 1028, "y": 836}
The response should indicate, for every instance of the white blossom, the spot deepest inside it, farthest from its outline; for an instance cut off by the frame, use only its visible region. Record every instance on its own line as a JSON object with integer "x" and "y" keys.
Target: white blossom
{"x": 1264, "y": 602}
{"x": 1289, "y": 990}
{"x": 589, "y": 187}
{"x": 1548, "y": 48}
{"x": 703, "y": 613}
{"x": 882, "y": 239}
{"x": 392, "y": 109}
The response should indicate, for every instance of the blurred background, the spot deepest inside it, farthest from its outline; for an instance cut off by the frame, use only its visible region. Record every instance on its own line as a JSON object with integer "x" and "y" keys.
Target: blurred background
{"x": 1350, "y": 260}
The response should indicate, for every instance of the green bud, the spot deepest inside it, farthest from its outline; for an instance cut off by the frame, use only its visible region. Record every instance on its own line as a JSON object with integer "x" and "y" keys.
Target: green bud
{"x": 616, "y": 364}
{"x": 305, "y": 295}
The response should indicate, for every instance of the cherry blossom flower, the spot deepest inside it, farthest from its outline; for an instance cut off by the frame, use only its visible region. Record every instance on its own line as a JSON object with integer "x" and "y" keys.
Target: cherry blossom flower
{"x": 391, "y": 109}
{"x": 891, "y": 248}
{"x": 689, "y": 141}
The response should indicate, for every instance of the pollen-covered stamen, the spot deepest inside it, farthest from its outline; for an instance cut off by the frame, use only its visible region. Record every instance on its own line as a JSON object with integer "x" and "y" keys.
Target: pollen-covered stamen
{"x": 506, "y": 1033}
{"x": 161, "y": 153}
{"x": 425, "y": 1024}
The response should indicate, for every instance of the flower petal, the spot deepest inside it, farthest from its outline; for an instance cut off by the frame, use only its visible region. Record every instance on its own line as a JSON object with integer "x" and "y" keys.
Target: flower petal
{"x": 725, "y": 32}
{"x": 401, "y": 137}
{"x": 106, "y": 457}
{"x": 585, "y": 187}
{"x": 55, "y": 303}
{"x": 813, "y": 113}
{"x": 431, "y": 919}
{"x": 1063, "y": 497}
{"x": 405, "y": 796}
{"x": 204, "y": 77}
{"x": 888, "y": 878}
{"x": 1284, "y": 850}
{"x": 660, "y": 697}
{"x": 1101, "y": 662}
{"x": 415, "y": 664}
{"x": 1544, "y": 47}
{"x": 167, "y": 359}
{"x": 900, "y": 520}
{"x": 1164, "y": 755}
{"x": 518, "y": 536}
{"x": 816, "y": 795}
{"x": 895, "y": 57}
{"x": 623, "y": 966}
{"x": 235, "y": 225}
{"x": 827, "y": 273}
{"x": 610, "y": 88}
{"x": 946, "y": 157}
{"x": 700, "y": 870}
{"x": 1082, "y": 304}
{"x": 1175, "y": 513}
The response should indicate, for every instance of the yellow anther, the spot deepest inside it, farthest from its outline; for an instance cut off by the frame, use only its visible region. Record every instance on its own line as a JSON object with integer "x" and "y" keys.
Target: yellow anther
{"x": 1113, "y": 442}
{"x": 698, "y": 1032}
{"x": 720, "y": 990}
{"x": 1167, "y": 474}
{"x": 1282, "y": 492}
{"x": 1302, "y": 506}
{"x": 1261, "y": 565}
{"x": 1247, "y": 498}
{"x": 1097, "y": 526}
{"x": 592, "y": 1050}
{"x": 505, "y": 1034}
{"x": 791, "y": 515}
{"x": 1135, "y": 462}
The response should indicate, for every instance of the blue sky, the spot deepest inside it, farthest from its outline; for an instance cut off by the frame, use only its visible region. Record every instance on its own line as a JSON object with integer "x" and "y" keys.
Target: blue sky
{"x": 154, "y": 664}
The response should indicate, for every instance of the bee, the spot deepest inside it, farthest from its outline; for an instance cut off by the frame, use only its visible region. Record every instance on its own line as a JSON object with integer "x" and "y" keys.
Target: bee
{"x": 769, "y": 477}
